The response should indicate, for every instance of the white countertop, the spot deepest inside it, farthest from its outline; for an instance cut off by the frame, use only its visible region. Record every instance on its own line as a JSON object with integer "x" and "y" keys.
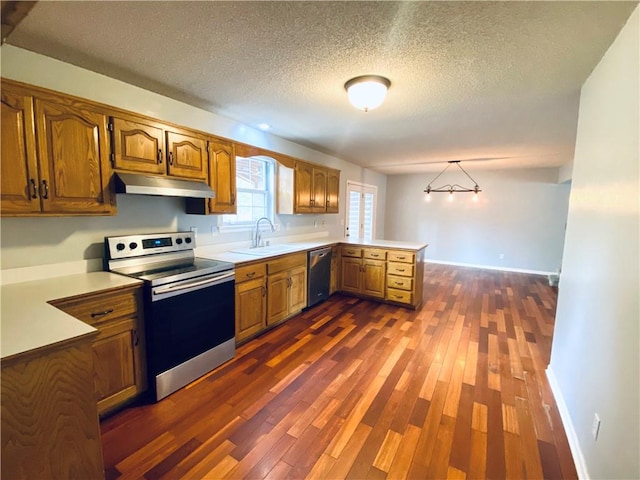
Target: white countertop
{"x": 303, "y": 246}
{"x": 28, "y": 322}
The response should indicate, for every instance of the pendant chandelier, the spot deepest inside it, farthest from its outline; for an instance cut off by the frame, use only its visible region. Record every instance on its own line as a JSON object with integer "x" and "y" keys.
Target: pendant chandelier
{"x": 452, "y": 188}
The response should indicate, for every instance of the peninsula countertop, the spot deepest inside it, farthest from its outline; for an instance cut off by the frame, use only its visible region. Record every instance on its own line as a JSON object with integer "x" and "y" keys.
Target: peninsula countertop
{"x": 28, "y": 322}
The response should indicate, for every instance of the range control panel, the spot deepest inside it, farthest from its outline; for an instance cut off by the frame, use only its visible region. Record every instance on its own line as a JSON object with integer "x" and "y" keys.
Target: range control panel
{"x": 128, "y": 246}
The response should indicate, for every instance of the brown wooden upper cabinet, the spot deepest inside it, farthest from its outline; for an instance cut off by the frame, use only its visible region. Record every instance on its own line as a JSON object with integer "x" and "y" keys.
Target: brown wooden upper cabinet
{"x": 222, "y": 180}
{"x": 55, "y": 155}
{"x": 315, "y": 189}
{"x": 145, "y": 146}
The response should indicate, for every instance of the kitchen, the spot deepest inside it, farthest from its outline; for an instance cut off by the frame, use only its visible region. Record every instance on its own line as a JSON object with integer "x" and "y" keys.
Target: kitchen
{"x": 44, "y": 246}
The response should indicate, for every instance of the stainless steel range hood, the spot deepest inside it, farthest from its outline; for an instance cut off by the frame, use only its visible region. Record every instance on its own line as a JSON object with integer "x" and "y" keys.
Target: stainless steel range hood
{"x": 139, "y": 184}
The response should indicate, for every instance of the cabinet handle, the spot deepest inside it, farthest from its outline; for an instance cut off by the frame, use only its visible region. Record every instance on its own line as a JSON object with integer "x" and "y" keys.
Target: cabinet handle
{"x": 401, "y": 258}
{"x": 400, "y": 269}
{"x": 264, "y": 291}
{"x": 159, "y": 156}
{"x": 101, "y": 314}
{"x": 44, "y": 187}
{"x": 375, "y": 255}
{"x": 170, "y": 158}
{"x": 250, "y": 274}
{"x": 34, "y": 188}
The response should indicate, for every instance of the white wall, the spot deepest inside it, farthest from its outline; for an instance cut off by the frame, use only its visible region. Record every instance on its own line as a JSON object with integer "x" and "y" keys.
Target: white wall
{"x": 519, "y": 213}
{"x": 34, "y": 241}
{"x": 595, "y": 360}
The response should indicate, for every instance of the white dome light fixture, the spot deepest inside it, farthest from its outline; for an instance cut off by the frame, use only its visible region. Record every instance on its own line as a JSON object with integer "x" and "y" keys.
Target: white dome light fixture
{"x": 367, "y": 91}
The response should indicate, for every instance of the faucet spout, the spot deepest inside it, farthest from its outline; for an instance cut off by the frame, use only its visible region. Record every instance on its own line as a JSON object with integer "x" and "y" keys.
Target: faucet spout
{"x": 258, "y": 236}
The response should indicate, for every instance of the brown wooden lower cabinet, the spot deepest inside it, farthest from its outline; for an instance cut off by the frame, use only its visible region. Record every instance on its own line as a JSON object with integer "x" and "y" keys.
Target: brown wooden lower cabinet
{"x": 286, "y": 288}
{"x": 363, "y": 276}
{"x": 251, "y": 308}
{"x": 49, "y": 416}
{"x": 118, "y": 350}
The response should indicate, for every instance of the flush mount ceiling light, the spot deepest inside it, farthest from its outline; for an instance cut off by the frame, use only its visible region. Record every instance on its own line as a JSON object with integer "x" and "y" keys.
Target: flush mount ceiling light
{"x": 367, "y": 91}
{"x": 452, "y": 188}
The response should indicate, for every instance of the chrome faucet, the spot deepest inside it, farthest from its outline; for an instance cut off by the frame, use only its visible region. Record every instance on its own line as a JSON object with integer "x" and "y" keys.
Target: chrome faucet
{"x": 258, "y": 237}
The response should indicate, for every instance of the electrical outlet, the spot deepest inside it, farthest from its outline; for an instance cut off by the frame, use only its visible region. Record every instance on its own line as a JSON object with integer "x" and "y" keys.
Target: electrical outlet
{"x": 215, "y": 230}
{"x": 595, "y": 427}
{"x": 194, "y": 229}
{"x": 501, "y": 256}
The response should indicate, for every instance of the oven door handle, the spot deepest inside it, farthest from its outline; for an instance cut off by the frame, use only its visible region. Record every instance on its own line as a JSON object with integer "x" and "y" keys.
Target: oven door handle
{"x": 199, "y": 283}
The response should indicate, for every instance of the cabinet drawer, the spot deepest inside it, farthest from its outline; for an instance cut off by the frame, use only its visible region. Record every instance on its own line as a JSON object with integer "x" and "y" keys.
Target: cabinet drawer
{"x": 97, "y": 308}
{"x": 249, "y": 272}
{"x": 401, "y": 283}
{"x": 402, "y": 269}
{"x": 374, "y": 253}
{"x": 399, "y": 256}
{"x": 287, "y": 262}
{"x": 400, "y": 296}
{"x": 351, "y": 252}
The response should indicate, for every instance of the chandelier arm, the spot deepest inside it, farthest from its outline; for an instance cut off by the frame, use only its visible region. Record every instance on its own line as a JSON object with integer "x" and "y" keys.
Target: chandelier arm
{"x": 438, "y": 176}
{"x": 465, "y": 172}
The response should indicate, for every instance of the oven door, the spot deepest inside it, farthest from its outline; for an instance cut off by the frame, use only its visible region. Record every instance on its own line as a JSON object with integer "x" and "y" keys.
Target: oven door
{"x": 187, "y": 324}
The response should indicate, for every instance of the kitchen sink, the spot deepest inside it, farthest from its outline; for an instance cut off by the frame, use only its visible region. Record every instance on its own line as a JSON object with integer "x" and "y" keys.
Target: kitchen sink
{"x": 268, "y": 250}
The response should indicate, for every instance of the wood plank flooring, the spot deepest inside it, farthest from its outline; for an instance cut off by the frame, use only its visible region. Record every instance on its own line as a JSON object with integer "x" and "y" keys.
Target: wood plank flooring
{"x": 356, "y": 389}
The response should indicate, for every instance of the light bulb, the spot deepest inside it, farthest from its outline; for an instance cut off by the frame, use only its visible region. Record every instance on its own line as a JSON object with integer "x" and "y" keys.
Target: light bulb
{"x": 427, "y": 197}
{"x": 475, "y": 197}
{"x": 450, "y": 196}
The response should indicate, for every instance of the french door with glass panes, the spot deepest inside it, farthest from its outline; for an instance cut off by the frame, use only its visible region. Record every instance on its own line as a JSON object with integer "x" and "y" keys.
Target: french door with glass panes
{"x": 361, "y": 211}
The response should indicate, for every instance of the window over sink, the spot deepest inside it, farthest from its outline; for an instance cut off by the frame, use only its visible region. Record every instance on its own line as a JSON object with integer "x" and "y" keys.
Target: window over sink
{"x": 255, "y": 190}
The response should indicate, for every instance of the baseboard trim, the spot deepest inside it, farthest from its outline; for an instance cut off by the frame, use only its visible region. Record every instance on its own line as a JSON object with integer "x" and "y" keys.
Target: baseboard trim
{"x": 491, "y": 267}
{"x": 572, "y": 436}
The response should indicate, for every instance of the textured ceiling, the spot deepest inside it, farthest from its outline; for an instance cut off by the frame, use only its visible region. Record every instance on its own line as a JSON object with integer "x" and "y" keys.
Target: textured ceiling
{"x": 492, "y": 81}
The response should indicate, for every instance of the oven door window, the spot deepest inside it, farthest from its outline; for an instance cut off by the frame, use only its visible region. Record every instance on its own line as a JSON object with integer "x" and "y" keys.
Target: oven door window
{"x": 184, "y": 326}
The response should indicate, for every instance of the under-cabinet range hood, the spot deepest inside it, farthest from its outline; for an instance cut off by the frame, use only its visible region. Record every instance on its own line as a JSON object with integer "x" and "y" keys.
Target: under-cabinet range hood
{"x": 138, "y": 184}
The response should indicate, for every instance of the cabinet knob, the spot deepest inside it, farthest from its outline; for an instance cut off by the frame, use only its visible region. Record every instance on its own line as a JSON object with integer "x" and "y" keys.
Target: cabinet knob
{"x": 170, "y": 158}
{"x": 159, "y": 156}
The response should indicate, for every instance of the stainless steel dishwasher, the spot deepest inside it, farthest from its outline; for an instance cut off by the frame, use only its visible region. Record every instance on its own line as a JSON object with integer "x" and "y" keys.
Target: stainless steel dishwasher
{"x": 319, "y": 275}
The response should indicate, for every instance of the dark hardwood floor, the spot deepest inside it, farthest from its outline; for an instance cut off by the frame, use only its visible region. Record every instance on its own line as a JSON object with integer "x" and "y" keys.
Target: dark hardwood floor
{"x": 357, "y": 389}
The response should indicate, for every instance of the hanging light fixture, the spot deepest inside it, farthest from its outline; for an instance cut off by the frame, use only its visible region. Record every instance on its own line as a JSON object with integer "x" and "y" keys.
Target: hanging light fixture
{"x": 452, "y": 188}
{"x": 367, "y": 91}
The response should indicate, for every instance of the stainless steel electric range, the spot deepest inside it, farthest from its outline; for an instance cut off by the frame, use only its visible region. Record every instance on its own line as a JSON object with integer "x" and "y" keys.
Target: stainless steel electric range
{"x": 189, "y": 305}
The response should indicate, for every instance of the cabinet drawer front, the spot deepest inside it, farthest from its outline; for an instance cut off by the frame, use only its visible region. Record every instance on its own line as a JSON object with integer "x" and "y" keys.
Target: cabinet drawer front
{"x": 94, "y": 309}
{"x": 374, "y": 253}
{"x": 400, "y": 296}
{"x": 351, "y": 252}
{"x": 287, "y": 262}
{"x": 402, "y": 269}
{"x": 403, "y": 257}
{"x": 401, "y": 283}
{"x": 249, "y": 272}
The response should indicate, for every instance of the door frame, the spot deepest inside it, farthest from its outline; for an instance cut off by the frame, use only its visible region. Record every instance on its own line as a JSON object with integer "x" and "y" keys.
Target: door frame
{"x": 361, "y": 188}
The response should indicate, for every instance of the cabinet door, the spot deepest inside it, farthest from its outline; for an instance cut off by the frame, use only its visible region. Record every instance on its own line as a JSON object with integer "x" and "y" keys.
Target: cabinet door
{"x": 303, "y": 181}
{"x": 222, "y": 177}
{"x": 333, "y": 191}
{"x": 373, "y": 278}
{"x": 74, "y": 158}
{"x": 187, "y": 156}
{"x": 251, "y": 308}
{"x": 297, "y": 289}
{"x": 333, "y": 286}
{"x": 137, "y": 146}
{"x": 18, "y": 164}
{"x": 351, "y": 274}
{"x": 319, "y": 200}
{"x": 116, "y": 362}
{"x": 277, "y": 297}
